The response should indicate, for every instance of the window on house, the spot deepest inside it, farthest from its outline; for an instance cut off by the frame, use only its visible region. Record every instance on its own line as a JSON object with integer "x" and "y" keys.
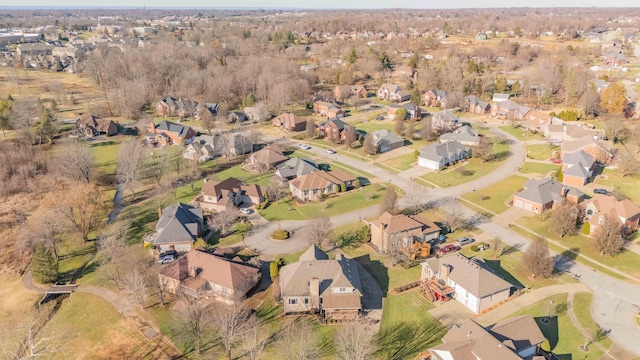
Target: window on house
{"x": 306, "y": 301}
{"x": 293, "y": 301}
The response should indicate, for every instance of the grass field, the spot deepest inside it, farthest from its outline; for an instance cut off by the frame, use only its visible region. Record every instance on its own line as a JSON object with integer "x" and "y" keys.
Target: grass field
{"x": 402, "y": 162}
{"x": 582, "y": 308}
{"x": 495, "y": 197}
{"x": 521, "y": 133}
{"x": 626, "y": 185}
{"x": 563, "y": 336}
{"x": 538, "y": 168}
{"x": 468, "y": 170}
{"x": 626, "y": 261}
{"x": 541, "y": 151}
{"x": 375, "y": 125}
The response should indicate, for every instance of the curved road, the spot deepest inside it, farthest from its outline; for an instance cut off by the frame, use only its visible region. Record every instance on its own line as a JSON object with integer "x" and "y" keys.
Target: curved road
{"x": 615, "y": 302}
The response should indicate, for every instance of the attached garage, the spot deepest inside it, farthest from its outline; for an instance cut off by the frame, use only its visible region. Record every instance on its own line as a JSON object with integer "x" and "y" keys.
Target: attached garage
{"x": 517, "y": 203}
{"x": 528, "y": 206}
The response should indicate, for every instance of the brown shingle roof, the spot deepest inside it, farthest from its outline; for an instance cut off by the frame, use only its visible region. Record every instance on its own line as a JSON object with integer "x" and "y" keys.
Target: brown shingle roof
{"x": 401, "y": 222}
{"x": 220, "y": 189}
{"x": 270, "y": 156}
{"x": 321, "y": 179}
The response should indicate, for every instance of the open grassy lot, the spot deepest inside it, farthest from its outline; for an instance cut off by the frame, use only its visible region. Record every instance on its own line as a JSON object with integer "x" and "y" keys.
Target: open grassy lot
{"x": 402, "y": 162}
{"x": 375, "y": 125}
{"x": 90, "y": 328}
{"x": 538, "y": 168}
{"x": 626, "y": 261}
{"x": 468, "y": 170}
{"x": 563, "y": 336}
{"x": 521, "y": 133}
{"x": 17, "y": 305}
{"x": 343, "y": 202}
{"x": 541, "y": 151}
{"x": 627, "y": 185}
{"x": 494, "y": 198}
{"x": 240, "y": 174}
{"x": 582, "y": 308}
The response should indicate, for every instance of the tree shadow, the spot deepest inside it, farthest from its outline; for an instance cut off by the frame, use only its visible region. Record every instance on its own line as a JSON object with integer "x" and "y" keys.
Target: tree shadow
{"x": 377, "y": 270}
{"x": 500, "y": 271}
{"x": 500, "y": 156}
{"x": 511, "y": 249}
{"x": 405, "y": 340}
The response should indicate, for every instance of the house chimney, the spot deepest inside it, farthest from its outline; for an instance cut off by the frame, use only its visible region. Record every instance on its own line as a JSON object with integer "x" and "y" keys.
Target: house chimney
{"x": 152, "y": 127}
{"x": 314, "y": 294}
{"x": 206, "y": 179}
{"x": 444, "y": 273}
{"x": 159, "y": 212}
{"x": 192, "y": 271}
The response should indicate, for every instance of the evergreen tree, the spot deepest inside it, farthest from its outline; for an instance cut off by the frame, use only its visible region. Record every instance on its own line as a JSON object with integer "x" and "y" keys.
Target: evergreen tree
{"x": 44, "y": 266}
{"x": 353, "y": 56}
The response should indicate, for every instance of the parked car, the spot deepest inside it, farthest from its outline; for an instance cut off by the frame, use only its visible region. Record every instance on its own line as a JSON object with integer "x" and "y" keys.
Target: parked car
{"x": 600, "y": 191}
{"x": 304, "y": 146}
{"x": 245, "y": 211}
{"x": 167, "y": 259}
{"x": 329, "y": 151}
{"x": 464, "y": 241}
{"x": 167, "y": 253}
{"x": 447, "y": 249}
{"x": 380, "y": 117}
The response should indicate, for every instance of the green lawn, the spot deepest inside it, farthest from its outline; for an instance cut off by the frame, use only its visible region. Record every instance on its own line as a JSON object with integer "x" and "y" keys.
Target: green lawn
{"x": 236, "y": 236}
{"x": 343, "y": 202}
{"x": 538, "y": 168}
{"x": 541, "y": 151}
{"x": 627, "y": 261}
{"x": 375, "y": 125}
{"x": 402, "y": 162}
{"x": 564, "y": 337}
{"x": 406, "y": 327}
{"x": 495, "y": 197}
{"x": 521, "y": 133}
{"x": 582, "y": 308}
{"x": 469, "y": 170}
{"x": 238, "y": 173}
{"x": 105, "y": 156}
{"x": 626, "y": 185}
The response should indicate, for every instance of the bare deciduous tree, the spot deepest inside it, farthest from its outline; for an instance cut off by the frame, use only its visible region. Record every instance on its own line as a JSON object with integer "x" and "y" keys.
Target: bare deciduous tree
{"x": 77, "y": 161}
{"x": 298, "y": 341}
{"x": 130, "y": 164}
{"x": 416, "y": 195}
{"x": 113, "y": 252}
{"x": 254, "y": 339}
{"x": 389, "y": 201}
{"x": 483, "y": 150}
{"x": 354, "y": 341}
{"x": 319, "y": 230}
{"x": 627, "y": 163}
{"x": 277, "y": 189}
{"x": 426, "y": 130}
{"x": 24, "y": 115}
{"x": 369, "y": 144}
{"x": 564, "y": 219}
{"x": 537, "y": 259}
{"x": 157, "y": 164}
{"x": 194, "y": 318}
{"x": 310, "y": 130}
{"x": 34, "y": 340}
{"x": 83, "y": 208}
{"x": 230, "y": 322}
{"x": 223, "y": 220}
{"x": 607, "y": 238}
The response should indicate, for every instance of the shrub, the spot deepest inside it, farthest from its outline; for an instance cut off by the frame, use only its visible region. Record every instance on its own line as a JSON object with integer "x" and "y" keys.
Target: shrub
{"x": 586, "y": 228}
{"x": 274, "y": 271}
{"x": 559, "y": 175}
{"x": 485, "y": 197}
{"x": 343, "y": 187}
{"x": 474, "y": 248}
{"x": 357, "y": 183}
{"x": 280, "y": 235}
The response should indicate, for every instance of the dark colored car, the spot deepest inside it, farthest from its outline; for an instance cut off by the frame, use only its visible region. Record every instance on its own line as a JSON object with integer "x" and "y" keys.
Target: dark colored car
{"x": 600, "y": 191}
{"x": 167, "y": 253}
{"x": 447, "y": 249}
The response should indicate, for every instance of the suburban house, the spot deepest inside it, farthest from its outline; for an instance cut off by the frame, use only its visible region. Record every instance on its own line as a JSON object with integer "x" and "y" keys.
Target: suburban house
{"x": 508, "y": 110}
{"x": 265, "y": 159}
{"x": 330, "y": 110}
{"x": 444, "y": 120}
{"x": 236, "y": 144}
{"x": 92, "y": 125}
{"x": 614, "y": 58}
{"x": 439, "y": 155}
{"x": 335, "y": 130}
{"x": 212, "y": 108}
{"x": 290, "y": 122}
{"x": 577, "y": 168}
{"x": 172, "y": 107}
{"x": 465, "y": 135}
{"x": 385, "y": 140}
{"x": 390, "y": 231}
{"x": 236, "y": 117}
{"x": 316, "y": 284}
{"x": 200, "y": 150}
{"x": 598, "y": 208}
{"x": 202, "y": 275}
{"x": 403, "y": 72}
{"x": 538, "y": 122}
{"x": 600, "y": 150}
{"x": 218, "y": 195}
{"x": 178, "y": 227}
{"x": 343, "y": 92}
{"x": 475, "y": 284}
{"x": 437, "y": 98}
{"x": 475, "y": 105}
{"x": 313, "y": 186}
{"x": 413, "y": 111}
{"x": 539, "y": 196}
{"x": 258, "y": 112}
{"x": 498, "y": 97}
{"x": 294, "y": 168}
{"x": 514, "y": 338}
{"x": 168, "y": 133}
{"x": 392, "y": 92}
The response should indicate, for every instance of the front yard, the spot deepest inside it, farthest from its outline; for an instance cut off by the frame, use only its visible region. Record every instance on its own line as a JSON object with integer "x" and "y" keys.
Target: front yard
{"x": 402, "y": 162}
{"x": 495, "y": 197}
{"x": 521, "y": 133}
{"x": 541, "y": 151}
{"x": 537, "y": 168}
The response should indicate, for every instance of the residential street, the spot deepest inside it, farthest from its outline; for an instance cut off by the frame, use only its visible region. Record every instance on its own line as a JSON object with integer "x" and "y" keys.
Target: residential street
{"x": 615, "y": 301}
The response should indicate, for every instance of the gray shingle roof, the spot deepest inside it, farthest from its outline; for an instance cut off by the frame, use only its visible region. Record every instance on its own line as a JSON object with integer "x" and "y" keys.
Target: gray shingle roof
{"x": 295, "y": 167}
{"x": 464, "y": 133}
{"x": 178, "y": 223}
{"x": 436, "y": 151}
{"x": 578, "y": 157}
{"x": 546, "y": 190}
{"x": 385, "y": 137}
{"x": 181, "y": 130}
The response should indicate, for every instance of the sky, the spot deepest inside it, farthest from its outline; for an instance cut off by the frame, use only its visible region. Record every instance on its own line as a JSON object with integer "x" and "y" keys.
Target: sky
{"x": 321, "y": 4}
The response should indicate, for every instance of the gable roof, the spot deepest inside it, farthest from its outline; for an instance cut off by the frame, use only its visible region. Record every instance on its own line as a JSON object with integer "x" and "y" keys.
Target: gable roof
{"x": 220, "y": 189}
{"x": 608, "y": 205}
{"x": 474, "y": 275}
{"x": 290, "y": 119}
{"x": 438, "y": 151}
{"x": 314, "y": 253}
{"x": 392, "y": 88}
{"x": 97, "y": 122}
{"x": 584, "y": 142}
{"x": 501, "y": 97}
{"x": 321, "y": 179}
{"x": 169, "y": 126}
{"x": 178, "y": 223}
{"x": 546, "y": 190}
{"x": 210, "y": 268}
{"x": 340, "y": 125}
{"x": 385, "y": 137}
{"x": 445, "y": 116}
{"x": 270, "y": 155}
{"x": 578, "y": 157}
{"x": 397, "y": 223}
{"x": 296, "y": 167}
{"x": 464, "y": 133}
{"x": 411, "y": 107}
{"x": 476, "y": 101}
{"x": 438, "y": 93}
{"x": 537, "y": 118}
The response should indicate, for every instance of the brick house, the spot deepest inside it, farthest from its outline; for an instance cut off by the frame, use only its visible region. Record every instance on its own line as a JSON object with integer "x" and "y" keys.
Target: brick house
{"x": 168, "y": 133}
{"x": 218, "y": 195}
{"x": 435, "y": 97}
{"x": 312, "y": 186}
{"x": 577, "y": 168}
{"x": 178, "y": 227}
{"x": 335, "y": 130}
{"x": 172, "y": 107}
{"x": 343, "y": 92}
{"x": 598, "y": 208}
{"x": 389, "y": 231}
{"x": 290, "y": 122}
{"x": 330, "y": 110}
{"x": 413, "y": 111}
{"x": 475, "y": 105}
{"x": 539, "y": 196}
{"x": 92, "y": 125}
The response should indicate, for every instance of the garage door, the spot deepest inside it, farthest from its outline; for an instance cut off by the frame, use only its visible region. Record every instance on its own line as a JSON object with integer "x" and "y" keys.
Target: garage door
{"x": 517, "y": 203}
{"x": 528, "y": 206}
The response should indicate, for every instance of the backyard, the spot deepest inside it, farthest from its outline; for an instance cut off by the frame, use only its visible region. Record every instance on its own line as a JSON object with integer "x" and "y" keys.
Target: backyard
{"x": 627, "y": 185}
{"x": 521, "y": 133}
{"x": 495, "y": 197}
{"x": 541, "y": 151}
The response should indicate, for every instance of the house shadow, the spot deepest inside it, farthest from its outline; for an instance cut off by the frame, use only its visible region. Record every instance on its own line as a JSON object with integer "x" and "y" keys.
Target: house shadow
{"x": 549, "y": 328}
{"x": 500, "y": 271}
{"x": 404, "y": 340}
{"x": 377, "y": 270}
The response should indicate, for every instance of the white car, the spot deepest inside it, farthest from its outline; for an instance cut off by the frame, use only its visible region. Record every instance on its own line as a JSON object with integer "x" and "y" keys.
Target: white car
{"x": 245, "y": 211}
{"x": 329, "y": 151}
{"x": 166, "y": 259}
{"x": 304, "y": 146}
